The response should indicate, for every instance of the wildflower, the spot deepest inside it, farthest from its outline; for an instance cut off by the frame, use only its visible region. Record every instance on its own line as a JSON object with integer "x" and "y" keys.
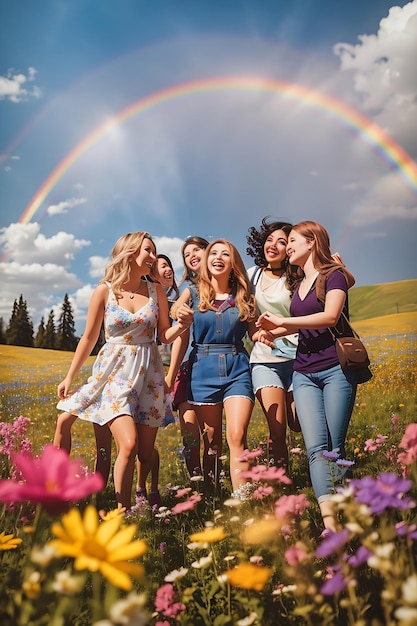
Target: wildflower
{"x": 32, "y": 585}
{"x": 247, "y": 621}
{"x": 182, "y": 492}
{"x": 360, "y": 557}
{"x": 406, "y": 531}
{"x": 344, "y": 463}
{"x": 296, "y": 554}
{"x": 99, "y": 546}
{"x": 330, "y": 455}
{"x": 409, "y": 590}
{"x": 202, "y": 563}
{"x": 382, "y": 558}
{"x": 387, "y": 490}
{"x": 52, "y": 480}
{"x": 262, "y": 531}
{"x": 262, "y": 492}
{"x": 209, "y": 535}
{"x": 289, "y": 506}
{"x": 409, "y": 443}
{"x": 187, "y": 505}
{"x": 165, "y": 601}
{"x": 249, "y": 455}
{"x": 9, "y": 542}
{"x": 249, "y": 576}
{"x": 43, "y": 555}
{"x": 176, "y": 574}
{"x": 67, "y": 584}
{"x": 334, "y": 584}
{"x": 332, "y": 543}
{"x": 130, "y": 611}
{"x": 261, "y": 472}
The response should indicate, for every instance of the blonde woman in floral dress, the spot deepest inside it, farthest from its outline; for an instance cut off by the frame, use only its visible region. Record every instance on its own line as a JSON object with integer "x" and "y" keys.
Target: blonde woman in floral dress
{"x": 126, "y": 389}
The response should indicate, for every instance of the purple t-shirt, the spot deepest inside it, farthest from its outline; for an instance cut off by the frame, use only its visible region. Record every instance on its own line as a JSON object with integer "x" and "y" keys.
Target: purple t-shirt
{"x": 316, "y": 350}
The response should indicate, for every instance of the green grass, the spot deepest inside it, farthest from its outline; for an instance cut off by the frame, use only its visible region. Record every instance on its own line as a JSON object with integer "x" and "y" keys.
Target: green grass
{"x": 384, "y": 299}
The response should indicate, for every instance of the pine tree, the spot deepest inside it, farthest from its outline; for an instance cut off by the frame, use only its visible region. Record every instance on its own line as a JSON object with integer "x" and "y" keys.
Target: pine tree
{"x": 40, "y": 335}
{"x": 50, "y": 336}
{"x": 20, "y": 329}
{"x": 66, "y": 339}
{"x": 2, "y": 332}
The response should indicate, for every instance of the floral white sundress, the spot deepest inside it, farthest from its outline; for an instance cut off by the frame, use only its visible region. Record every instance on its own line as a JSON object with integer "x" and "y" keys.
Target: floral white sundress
{"x": 128, "y": 375}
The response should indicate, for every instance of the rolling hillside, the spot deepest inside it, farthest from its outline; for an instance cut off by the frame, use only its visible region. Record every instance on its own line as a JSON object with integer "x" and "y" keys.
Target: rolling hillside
{"x": 384, "y": 299}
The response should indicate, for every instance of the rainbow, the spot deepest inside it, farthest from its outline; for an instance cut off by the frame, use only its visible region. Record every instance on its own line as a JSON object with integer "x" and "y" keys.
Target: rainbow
{"x": 396, "y": 158}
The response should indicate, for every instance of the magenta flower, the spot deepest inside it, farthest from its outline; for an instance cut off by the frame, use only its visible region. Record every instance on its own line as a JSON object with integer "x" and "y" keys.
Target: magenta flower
{"x": 409, "y": 443}
{"x": 290, "y": 506}
{"x": 387, "y": 490}
{"x": 182, "y": 492}
{"x": 52, "y": 480}
{"x": 250, "y": 455}
{"x": 261, "y": 472}
{"x": 165, "y": 601}
{"x": 262, "y": 492}
{"x": 296, "y": 554}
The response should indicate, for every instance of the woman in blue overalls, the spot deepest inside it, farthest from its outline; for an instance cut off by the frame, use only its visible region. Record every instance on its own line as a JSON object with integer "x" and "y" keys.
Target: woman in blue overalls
{"x": 219, "y": 364}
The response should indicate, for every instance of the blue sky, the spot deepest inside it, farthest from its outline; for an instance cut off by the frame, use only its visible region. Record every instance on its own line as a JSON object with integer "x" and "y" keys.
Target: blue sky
{"x": 211, "y": 163}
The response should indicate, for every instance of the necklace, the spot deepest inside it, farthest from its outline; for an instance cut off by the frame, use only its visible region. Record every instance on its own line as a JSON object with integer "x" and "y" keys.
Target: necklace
{"x": 132, "y": 293}
{"x": 275, "y": 270}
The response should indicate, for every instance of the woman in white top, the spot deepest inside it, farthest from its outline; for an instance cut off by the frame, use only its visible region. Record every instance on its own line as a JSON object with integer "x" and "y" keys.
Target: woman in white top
{"x": 272, "y": 278}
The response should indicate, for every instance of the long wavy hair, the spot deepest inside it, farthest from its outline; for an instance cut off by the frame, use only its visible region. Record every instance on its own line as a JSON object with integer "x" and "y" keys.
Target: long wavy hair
{"x": 118, "y": 270}
{"x": 173, "y": 290}
{"x": 256, "y": 243}
{"x": 188, "y": 274}
{"x": 318, "y": 236}
{"x": 239, "y": 284}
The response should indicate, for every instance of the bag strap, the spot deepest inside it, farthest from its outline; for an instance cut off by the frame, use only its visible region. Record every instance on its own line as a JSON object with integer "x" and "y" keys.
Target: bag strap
{"x": 254, "y": 279}
{"x": 321, "y": 296}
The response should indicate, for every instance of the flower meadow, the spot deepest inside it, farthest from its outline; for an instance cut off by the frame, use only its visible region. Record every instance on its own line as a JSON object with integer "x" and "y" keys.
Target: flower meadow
{"x": 68, "y": 558}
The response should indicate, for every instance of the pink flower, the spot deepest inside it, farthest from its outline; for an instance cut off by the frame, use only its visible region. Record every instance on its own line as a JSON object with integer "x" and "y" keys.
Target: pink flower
{"x": 409, "y": 443}
{"x": 261, "y": 472}
{"x": 262, "y": 492}
{"x": 52, "y": 480}
{"x": 248, "y": 455}
{"x": 165, "y": 601}
{"x": 187, "y": 505}
{"x": 296, "y": 554}
{"x": 182, "y": 492}
{"x": 290, "y": 506}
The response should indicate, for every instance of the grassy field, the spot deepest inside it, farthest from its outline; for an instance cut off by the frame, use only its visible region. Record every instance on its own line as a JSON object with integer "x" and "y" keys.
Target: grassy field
{"x": 384, "y": 299}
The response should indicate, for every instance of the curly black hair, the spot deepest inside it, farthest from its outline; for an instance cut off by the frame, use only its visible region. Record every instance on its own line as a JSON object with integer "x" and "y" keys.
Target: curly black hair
{"x": 256, "y": 242}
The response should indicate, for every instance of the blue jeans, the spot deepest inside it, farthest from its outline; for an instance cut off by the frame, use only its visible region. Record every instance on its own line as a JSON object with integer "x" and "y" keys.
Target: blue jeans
{"x": 324, "y": 402}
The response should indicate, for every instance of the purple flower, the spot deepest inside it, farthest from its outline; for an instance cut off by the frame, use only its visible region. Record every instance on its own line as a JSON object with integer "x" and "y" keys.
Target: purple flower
{"x": 332, "y": 543}
{"x": 345, "y": 463}
{"x": 360, "y": 557}
{"x": 330, "y": 456}
{"x": 334, "y": 585}
{"x": 403, "y": 530}
{"x": 387, "y": 490}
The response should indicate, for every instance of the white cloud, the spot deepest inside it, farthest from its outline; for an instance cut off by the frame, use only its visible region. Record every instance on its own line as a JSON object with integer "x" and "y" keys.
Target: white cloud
{"x": 62, "y": 207}
{"x": 25, "y": 244}
{"x": 97, "y": 266}
{"x": 384, "y": 73}
{"x": 14, "y": 86}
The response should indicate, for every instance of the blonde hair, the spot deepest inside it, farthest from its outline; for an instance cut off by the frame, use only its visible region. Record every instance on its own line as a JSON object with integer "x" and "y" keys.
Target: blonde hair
{"x": 118, "y": 270}
{"x": 238, "y": 282}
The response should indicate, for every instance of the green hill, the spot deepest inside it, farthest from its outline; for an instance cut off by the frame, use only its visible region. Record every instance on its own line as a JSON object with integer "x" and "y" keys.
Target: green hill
{"x": 384, "y": 299}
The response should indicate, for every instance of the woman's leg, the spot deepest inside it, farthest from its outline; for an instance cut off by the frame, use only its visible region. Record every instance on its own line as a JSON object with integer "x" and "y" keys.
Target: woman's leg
{"x": 210, "y": 421}
{"x": 238, "y": 413}
{"x": 103, "y": 451}
{"x": 123, "y": 430}
{"x": 273, "y": 401}
{"x": 146, "y": 446}
{"x": 191, "y": 437}
{"x": 62, "y": 436}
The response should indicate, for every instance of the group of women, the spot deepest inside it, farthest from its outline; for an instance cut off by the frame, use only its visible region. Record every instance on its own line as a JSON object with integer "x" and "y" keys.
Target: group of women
{"x": 293, "y": 368}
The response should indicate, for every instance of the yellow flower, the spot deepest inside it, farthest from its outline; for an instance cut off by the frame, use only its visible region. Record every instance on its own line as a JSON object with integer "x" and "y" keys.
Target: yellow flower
{"x": 249, "y": 576}
{"x": 100, "y": 546}
{"x": 32, "y": 585}
{"x": 8, "y": 542}
{"x": 262, "y": 532}
{"x": 209, "y": 535}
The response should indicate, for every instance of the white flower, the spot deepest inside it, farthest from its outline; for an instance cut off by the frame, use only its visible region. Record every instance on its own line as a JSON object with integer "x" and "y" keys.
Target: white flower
{"x": 232, "y": 502}
{"x": 130, "y": 611}
{"x": 409, "y": 589}
{"x": 204, "y": 562}
{"x": 248, "y": 621}
{"x": 406, "y": 615}
{"x": 258, "y": 560}
{"x": 43, "y": 555}
{"x": 67, "y": 584}
{"x": 176, "y": 574}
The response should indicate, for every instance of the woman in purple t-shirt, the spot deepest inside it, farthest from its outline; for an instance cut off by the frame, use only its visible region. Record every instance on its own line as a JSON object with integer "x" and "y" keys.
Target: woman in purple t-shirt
{"x": 324, "y": 394}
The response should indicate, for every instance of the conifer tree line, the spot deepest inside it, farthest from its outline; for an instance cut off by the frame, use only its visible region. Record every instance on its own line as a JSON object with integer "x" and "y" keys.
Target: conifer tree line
{"x": 53, "y": 335}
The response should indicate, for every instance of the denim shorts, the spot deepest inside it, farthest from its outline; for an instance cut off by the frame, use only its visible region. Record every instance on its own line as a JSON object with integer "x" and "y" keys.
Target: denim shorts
{"x": 272, "y": 375}
{"x": 217, "y": 374}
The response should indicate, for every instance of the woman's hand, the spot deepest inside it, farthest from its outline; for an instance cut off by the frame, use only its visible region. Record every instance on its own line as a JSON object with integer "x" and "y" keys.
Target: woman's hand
{"x": 269, "y": 321}
{"x": 64, "y": 388}
{"x": 266, "y": 337}
{"x": 185, "y": 316}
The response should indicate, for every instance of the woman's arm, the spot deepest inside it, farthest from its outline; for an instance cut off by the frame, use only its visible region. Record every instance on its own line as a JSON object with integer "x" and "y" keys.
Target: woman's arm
{"x": 184, "y": 298}
{"x": 179, "y": 348}
{"x": 89, "y": 338}
{"x": 335, "y": 301}
{"x": 185, "y": 315}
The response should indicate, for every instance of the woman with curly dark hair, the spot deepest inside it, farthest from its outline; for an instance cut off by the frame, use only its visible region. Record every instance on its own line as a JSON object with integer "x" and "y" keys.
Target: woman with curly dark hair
{"x": 273, "y": 281}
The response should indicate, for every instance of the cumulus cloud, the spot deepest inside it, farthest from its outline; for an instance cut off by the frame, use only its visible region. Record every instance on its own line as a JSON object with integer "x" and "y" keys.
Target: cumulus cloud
{"x": 14, "y": 86}
{"x": 97, "y": 266}
{"x": 64, "y": 206}
{"x": 25, "y": 243}
{"x": 384, "y": 75}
